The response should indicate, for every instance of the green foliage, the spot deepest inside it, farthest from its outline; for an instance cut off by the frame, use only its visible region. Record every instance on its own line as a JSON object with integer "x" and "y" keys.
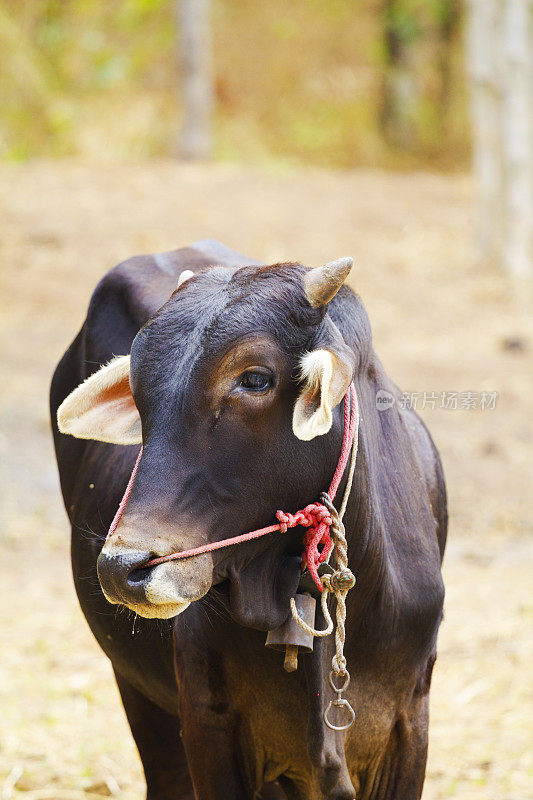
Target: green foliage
{"x": 407, "y": 17}
{"x": 420, "y": 92}
{"x": 295, "y": 79}
{"x": 401, "y": 21}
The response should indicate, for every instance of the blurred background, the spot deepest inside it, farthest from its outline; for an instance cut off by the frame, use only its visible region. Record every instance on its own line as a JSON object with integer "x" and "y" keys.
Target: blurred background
{"x": 396, "y": 131}
{"x": 329, "y": 83}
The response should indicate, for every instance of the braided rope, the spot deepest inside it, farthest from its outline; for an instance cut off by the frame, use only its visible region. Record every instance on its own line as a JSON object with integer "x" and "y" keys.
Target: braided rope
{"x": 325, "y": 610}
{"x": 341, "y": 581}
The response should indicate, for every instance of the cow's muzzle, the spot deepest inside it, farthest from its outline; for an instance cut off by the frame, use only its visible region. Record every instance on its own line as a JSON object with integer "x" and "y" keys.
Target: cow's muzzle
{"x": 160, "y": 591}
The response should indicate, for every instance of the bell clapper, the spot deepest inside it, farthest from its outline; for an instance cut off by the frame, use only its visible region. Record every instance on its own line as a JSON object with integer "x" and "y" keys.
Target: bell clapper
{"x": 290, "y": 663}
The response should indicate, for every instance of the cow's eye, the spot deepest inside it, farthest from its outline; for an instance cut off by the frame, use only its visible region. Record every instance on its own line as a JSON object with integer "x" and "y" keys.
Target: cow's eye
{"x": 255, "y": 380}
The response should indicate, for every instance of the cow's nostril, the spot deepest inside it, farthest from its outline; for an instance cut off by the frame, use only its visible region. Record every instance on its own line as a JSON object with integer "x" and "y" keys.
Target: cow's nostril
{"x": 122, "y": 575}
{"x": 139, "y": 576}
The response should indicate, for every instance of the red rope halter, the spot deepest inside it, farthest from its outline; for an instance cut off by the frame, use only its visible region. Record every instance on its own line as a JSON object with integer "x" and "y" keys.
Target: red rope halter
{"x": 315, "y": 517}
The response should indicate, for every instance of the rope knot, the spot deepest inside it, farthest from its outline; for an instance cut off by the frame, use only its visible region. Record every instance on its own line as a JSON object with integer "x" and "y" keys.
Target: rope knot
{"x": 285, "y": 520}
{"x": 338, "y": 662}
{"x": 317, "y": 518}
{"x": 317, "y": 513}
{"x": 317, "y": 536}
{"x": 340, "y": 581}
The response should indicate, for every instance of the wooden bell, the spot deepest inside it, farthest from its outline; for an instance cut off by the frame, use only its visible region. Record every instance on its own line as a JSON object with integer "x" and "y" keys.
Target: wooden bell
{"x": 290, "y": 636}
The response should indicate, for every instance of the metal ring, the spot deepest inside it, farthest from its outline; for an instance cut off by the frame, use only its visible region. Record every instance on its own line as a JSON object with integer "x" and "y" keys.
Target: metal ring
{"x": 338, "y": 704}
{"x": 339, "y": 689}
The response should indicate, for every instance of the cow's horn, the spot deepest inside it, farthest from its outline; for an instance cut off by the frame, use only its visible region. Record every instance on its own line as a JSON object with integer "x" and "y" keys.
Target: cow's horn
{"x": 184, "y": 276}
{"x": 323, "y": 283}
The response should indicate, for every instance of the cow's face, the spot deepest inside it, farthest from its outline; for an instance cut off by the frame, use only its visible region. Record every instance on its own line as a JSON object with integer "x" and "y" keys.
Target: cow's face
{"x": 231, "y": 387}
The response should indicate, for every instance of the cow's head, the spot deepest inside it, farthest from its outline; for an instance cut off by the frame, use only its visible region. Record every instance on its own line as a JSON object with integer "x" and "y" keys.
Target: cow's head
{"x": 233, "y": 387}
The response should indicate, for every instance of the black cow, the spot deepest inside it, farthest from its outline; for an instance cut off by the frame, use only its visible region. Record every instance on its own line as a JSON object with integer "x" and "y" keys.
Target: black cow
{"x": 237, "y": 375}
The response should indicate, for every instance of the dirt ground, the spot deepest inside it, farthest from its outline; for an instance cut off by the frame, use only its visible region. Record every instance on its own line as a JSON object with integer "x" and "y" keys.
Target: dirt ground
{"x": 443, "y": 322}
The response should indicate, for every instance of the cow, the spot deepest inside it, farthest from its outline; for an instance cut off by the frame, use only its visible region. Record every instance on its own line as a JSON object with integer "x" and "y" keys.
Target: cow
{"x": 232, "y": 375}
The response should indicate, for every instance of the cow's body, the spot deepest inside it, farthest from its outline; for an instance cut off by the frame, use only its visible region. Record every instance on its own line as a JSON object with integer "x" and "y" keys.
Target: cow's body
{"x": 244, "y": 721}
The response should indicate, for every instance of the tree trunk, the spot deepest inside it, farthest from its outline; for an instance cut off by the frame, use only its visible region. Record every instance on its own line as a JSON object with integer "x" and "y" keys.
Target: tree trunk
{"x": 448, "y": 27}
{"x": 482, "y": 49}
{"x": 517, "y": 135}
{"x": 417, "y": 42}
{"x": 401, "y": 82}
{"x": 499, "y": 52}
{"x": 196, "y": 78}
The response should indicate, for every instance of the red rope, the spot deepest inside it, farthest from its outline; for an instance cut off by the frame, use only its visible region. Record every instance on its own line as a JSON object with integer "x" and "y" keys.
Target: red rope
{"x": 315, "y": 516}
{"x": 122, "y": 506}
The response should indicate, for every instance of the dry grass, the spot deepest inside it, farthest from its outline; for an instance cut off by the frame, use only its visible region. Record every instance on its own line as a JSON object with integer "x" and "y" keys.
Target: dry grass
{"x": 440, "y": 320}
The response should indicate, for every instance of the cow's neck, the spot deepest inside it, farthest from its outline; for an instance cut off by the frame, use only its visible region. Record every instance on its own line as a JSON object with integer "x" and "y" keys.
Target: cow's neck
{"x": 387, "y": 526}
{"x": 370, "y": 602}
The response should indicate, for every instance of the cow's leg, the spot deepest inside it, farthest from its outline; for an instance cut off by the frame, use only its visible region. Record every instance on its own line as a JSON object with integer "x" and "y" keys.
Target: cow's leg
{"x": 219, "y": 768}
{"x": 412, "y": 751}
{"x": 158, "y": 740}
{"x": 212, "y": 755}
{"x": 399, "y": 773}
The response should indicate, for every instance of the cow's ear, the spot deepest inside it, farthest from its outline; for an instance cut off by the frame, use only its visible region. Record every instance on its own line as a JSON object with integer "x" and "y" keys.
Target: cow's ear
{"x": 325, "y": 375}
{"x": 102, "y": 407}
